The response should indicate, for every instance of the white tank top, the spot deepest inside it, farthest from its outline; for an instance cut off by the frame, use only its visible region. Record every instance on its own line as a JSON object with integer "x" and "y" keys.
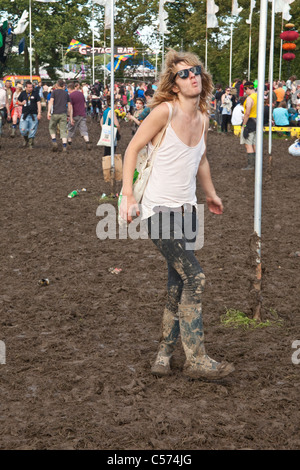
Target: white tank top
{"x": 172, "y": 182}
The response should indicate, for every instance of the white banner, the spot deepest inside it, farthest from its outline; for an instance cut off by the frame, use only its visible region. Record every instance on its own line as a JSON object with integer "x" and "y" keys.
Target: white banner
{"x": 235, "y": 11}
{"x": 107, "y": 5}
{"x": 211, "y": 19}
{"x": 252, "y": 6}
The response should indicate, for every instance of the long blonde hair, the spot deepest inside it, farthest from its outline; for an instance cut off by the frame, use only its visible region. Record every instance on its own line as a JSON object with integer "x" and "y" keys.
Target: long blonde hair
{"x": 164, "y": 90}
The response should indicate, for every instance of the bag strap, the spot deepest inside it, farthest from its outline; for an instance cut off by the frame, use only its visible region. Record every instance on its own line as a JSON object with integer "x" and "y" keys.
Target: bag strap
{"x": 157, "y": 145}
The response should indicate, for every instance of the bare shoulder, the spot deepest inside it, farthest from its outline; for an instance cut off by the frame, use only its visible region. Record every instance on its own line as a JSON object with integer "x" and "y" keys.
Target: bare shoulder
{"x": 161, "y": 111}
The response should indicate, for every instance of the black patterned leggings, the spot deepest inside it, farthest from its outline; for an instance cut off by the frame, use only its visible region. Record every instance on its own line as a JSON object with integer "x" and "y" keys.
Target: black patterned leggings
{"x": 185, "y": 276}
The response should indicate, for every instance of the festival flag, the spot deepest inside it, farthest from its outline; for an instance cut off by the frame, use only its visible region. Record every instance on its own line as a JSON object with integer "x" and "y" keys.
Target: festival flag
{"x": 74, "y": 45}
{"x": 283, "y": 6}
{"x": 22, "y": 23}
{"x": 163, "y": 16}
{"x": 235, "y": 11}
{"x": 211, "y": 10}
{"x": 252, "y": 6}
{"x": 21, "y": 45}
{"x": 107, "y": 5}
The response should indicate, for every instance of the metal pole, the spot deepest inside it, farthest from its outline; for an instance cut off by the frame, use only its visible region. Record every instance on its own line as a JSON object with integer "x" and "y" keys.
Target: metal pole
{"x": 230, "y": 59}
{"x": 112, "y": 83}
{"x": 30, "y": 42}
{"x": 271, "y": 66}
{"x": 281, "y": 41}
{"x": 156, "y": 54}
{"x": 93, "y": 44}
{"x": 163, "y": 52}
{"x": 249, "y": 57}
{"x": 259, "y": 145}
{"x": 206, "y": 49}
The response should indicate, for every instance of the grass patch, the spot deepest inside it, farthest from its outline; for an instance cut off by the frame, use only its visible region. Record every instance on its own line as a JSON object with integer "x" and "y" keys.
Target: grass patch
{"x": 236, "y": 319}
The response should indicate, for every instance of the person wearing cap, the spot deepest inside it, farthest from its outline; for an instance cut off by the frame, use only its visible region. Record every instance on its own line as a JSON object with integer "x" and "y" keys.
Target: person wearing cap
{"x": 248, "y": 133}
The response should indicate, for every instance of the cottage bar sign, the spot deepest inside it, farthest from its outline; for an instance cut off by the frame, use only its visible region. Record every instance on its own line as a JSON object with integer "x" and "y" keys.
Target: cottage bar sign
{"x": 87, "y": 50}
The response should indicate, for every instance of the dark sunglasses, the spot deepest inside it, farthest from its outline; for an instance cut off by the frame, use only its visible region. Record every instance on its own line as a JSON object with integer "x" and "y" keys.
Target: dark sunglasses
{"x": 185, "y": 72}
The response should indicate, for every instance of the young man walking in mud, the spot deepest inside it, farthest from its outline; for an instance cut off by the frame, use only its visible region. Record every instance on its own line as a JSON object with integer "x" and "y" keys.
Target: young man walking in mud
{"x": 30, "y": 101}
{"x": 180, "y": 111}
{"x": 60, "y": 106}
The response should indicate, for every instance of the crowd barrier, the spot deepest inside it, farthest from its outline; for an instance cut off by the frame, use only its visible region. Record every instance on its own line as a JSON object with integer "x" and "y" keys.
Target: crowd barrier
{"x": 294, "y": 131}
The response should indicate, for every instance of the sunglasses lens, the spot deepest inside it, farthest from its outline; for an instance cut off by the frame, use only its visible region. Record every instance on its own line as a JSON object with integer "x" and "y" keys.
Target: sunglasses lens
{"x": 196, "y": 70}
{"x": 183, "y": 73}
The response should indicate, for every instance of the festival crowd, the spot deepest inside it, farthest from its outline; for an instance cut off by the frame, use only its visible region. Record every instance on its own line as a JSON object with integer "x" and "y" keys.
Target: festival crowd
{"x": 67, "y": 105}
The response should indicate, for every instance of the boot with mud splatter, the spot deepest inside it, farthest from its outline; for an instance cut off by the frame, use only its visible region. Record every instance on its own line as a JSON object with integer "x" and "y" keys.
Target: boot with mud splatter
{"x": 170, "y": 332}
{"x": 198, "y": 364}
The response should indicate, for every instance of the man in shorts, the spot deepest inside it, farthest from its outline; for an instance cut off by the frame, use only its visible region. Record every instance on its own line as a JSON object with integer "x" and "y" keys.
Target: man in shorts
{"x": 60, "y": 106}
{"x": 249, "y": 123}
{"x": 78, "y": 115}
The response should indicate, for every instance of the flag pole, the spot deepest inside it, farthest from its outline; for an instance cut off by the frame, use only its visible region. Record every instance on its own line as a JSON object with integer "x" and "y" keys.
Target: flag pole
{"x": 30, "y": 42}
{"x": 112, "y": 87}
{"x": 206, "y": 47}
{"x": 249, "y": 56}
{"x": 280, "y": 57}
{"x": 93, "y": 44}
{"x": 230, "y": 59}
{"x": 271, "y": 67}
{"x": 259, "y": 152}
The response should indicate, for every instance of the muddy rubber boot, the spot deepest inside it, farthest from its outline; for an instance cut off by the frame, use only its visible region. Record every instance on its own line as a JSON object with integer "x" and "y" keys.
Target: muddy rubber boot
{"x": 198, "y": 364}
{"x": 88, "y": 145}
{"x": 170, "y": 332}
{"x": 54, "y": 146}
{"x": 25, "y": 143}
{"x": 13, "y": 132}
{"x": 30, "y": 143}
{"x": 251, "y": 162}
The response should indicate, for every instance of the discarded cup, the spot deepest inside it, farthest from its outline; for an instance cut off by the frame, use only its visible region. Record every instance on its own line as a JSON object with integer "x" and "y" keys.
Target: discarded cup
{"x": 76, "y": 192}
{"x": 115, "y": 270}
{"x": 44, "y": 282}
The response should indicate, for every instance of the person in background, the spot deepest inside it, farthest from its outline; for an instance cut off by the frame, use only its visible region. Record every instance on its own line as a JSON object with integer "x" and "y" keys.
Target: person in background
{"x": 4, "y": 107}
{"x": 60, "y": 105}
{"x": 281, "y": 115}
{"x": 250, "y": 113}
{"x": 16, "y": 109}
{"x": 238, "y": 113}
{"x": 280, "y": 93}
{"x": 30, "y": 101}
{"x": 106, "y": 119}
{"x": 77, "y": 115}
{"x": 139, "y": 106}
{"x": 226, "y": 103}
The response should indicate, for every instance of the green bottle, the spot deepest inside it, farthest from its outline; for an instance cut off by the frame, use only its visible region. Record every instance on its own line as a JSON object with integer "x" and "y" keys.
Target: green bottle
{"x": 76, "y": 192}
{"x": 135, "y": 177}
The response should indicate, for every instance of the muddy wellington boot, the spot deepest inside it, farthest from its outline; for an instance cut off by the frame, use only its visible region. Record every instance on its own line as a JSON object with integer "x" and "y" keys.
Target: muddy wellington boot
{"x": 25, "y": 143}
{"x": 198, "y": 364}
{"x": 30, "y": 143}
{"x": 170, "y": 332}
{"x": 251, "y": 162}
{"x": 13, "y": 132}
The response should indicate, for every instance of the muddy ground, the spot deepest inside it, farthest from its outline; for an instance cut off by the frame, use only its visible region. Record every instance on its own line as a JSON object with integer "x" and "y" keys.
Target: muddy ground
{"x": 78, "y": 351}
